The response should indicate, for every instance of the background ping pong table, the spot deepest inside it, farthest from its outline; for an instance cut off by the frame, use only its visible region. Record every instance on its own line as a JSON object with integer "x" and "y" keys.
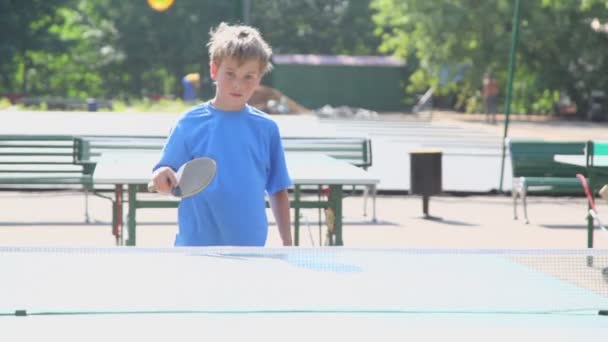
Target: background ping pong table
{"x": 133, "y": 170}
{"x": 302, "y": 294}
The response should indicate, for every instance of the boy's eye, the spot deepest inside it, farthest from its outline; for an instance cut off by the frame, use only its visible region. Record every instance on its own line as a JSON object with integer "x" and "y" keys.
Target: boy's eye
{"x": 230, "y": 73}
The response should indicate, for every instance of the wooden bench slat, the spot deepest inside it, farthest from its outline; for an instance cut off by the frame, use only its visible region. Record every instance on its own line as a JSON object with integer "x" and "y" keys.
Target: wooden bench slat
{"x": 35, "y": 154}
{"x": 22, "y": 171}
{"x": 36, "y": 137}
{"x": 31, "y": 162}
{"x": 356, "y": 150}
{"x": 35, "y": 147}
{"x": 30, "y": 159}
{"x": 65, "y": 179}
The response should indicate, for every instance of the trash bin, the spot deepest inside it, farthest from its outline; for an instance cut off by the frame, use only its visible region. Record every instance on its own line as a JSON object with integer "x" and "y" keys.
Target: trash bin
{"x": 91, "y": 105}
{"x": 425, "y": 176}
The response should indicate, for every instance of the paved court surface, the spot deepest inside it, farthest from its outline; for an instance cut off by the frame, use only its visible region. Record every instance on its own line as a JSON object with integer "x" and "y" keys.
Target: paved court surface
{"x": 471, "y": 149}
{"x": 57, "y": 219}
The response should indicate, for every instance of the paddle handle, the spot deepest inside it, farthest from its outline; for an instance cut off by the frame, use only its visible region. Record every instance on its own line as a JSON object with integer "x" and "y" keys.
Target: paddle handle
{"x": 177, "y": 191}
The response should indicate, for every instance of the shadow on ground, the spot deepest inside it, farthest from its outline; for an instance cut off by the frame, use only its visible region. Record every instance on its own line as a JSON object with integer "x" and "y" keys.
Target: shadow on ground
{"x": 449, "y": 222}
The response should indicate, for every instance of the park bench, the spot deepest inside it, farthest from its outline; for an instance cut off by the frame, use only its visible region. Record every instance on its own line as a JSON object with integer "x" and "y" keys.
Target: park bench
{"x": 356, "y": 151}
{"x": 534, "y": 169}
{"x": 37, "y": 162}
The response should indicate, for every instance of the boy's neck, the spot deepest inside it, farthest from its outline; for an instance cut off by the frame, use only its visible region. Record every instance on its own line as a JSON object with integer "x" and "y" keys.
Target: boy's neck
{"x": 227, "y": 108}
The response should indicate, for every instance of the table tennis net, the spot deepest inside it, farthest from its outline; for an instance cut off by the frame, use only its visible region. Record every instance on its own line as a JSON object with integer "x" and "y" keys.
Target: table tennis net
{"x": 299, "y": 280}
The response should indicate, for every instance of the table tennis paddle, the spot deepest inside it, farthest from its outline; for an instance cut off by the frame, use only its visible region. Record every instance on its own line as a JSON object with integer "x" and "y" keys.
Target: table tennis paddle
{"x": 192, "y": 177}
{"x": 592, "y": 210}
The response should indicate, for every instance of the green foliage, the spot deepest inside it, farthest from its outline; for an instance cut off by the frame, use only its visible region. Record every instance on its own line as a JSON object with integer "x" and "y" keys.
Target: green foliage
{"x": 4, "y": 103}
{"x": 26, "y": 26}
{"x": 544, "y": 103}
{"x": 124, "y": 49}
{"x": 172, "y": 106}
{"x": 558, "y": 51}
{"x": 316, "y": 26}
{"x": 474, "y": 103}
{"x": 42, "y": 106}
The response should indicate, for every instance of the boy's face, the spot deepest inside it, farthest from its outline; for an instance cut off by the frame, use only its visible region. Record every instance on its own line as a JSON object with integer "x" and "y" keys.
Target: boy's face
{"x": 235, "y": 83}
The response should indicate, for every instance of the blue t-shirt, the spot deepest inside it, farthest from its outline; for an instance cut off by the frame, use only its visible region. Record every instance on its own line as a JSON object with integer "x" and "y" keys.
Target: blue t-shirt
{"x": 247, "y": 148}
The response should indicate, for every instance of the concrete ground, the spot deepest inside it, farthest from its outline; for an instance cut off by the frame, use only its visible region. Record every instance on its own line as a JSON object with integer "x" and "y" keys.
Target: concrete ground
{"x": 480, "y": 221}
{"x": 528, "y": 126}
{"x": 57, "y": 219}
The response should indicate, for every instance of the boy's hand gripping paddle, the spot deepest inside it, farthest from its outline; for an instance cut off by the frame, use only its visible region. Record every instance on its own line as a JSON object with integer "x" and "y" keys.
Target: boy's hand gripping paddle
{"x": 192, "y": 177}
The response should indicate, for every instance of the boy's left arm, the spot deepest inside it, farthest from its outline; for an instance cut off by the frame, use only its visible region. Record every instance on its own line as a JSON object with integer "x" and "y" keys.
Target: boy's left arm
{"x": 279, "y": 202}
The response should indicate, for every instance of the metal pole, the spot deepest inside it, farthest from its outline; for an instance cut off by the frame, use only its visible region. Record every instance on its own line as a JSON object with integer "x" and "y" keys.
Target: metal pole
{"x": 514, "y": 39}
{"x": 246, "y": 12}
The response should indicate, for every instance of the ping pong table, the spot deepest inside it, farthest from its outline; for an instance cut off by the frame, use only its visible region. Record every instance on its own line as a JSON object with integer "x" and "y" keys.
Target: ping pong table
{"x": 301, "y": 294}
{"x": 133, "y": 170}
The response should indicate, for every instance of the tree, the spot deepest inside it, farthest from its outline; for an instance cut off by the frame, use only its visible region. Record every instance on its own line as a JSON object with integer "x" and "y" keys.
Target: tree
{"x": 316, "y": 26}
{"x": 558, "y": 51}
{"x": 116, "y": 48}
{"x": 25, "y": 31}
{"x": 160, "y": 47}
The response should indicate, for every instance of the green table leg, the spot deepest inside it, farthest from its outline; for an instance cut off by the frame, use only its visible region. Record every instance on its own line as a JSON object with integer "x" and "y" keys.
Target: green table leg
{"x": 335, "y": 202}
{"x": 589, "y": 217}
{"x": 131, "y": 241}
{"x": 590, "y": 220}
{"x": 117, "y": 216}
{"x": 115, "y": 221}
{"x": 589, "y": 231}
{"x": 319, "y": 216}
{"x": 296, "y": 219}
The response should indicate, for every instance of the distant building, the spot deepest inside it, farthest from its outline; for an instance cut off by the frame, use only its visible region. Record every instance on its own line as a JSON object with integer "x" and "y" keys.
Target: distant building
{"x": 371, "y": 82}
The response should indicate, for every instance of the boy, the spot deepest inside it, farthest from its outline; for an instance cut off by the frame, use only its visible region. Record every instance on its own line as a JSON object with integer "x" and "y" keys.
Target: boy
{"x": 245, "y": 144}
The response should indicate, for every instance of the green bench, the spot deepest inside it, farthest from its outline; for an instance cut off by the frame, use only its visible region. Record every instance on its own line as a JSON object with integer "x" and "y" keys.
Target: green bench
{"x": 535, "y": 171}
{"x": 356, "y": 151}
{"x": 35, "y": 162}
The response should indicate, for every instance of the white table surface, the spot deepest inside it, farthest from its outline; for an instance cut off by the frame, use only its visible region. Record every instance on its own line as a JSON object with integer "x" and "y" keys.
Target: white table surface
{"x": 304, "y": 169}
{"x": 237, "y": 294}
{"x": 579, "y": 160}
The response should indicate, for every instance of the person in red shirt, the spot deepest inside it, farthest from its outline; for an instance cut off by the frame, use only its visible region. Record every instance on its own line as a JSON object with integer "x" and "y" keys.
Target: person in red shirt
{"x": 490, "y": 97}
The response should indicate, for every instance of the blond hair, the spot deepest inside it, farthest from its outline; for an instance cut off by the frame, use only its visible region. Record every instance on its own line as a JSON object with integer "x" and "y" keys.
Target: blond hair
{"x": 241, "y": 42}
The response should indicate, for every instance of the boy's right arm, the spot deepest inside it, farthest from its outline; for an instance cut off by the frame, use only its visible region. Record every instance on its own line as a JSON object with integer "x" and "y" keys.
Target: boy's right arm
{"x": 164, "y": 179}
{"x": 173, "y": 155}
